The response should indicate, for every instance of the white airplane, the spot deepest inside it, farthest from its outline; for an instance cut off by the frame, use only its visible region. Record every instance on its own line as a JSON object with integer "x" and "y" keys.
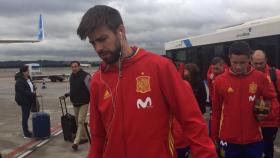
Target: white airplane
{"x": 40, "y": 35}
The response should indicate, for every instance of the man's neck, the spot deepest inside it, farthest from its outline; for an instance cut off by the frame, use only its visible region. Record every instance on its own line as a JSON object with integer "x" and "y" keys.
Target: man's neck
{"x": 127, "y": 52}
{"x": 241, "y": 74}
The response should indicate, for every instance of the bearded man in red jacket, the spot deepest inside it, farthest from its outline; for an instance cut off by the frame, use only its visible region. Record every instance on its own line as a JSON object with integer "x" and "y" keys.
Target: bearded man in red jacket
{"x": 234, "y": 123}
{"x": 216, "y": 68}
{"x": 135, "y": 95}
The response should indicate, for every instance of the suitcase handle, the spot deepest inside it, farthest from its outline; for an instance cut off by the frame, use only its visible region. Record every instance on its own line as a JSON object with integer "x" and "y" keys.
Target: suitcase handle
{"x": 60, "y": 100}
{"x": 87, "y": 131}
{"x": 40, "y": 96}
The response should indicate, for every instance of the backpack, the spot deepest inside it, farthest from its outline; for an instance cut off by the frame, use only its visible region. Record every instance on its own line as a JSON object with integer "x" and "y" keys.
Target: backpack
{"x": 273, "y": 77}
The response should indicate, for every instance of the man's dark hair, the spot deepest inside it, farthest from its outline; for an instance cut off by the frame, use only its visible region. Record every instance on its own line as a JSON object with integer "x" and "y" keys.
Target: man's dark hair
{"x": 24, "y": 68}
{"x": 240, "y": 48}
{"x": 194, "y": 71}
{"x": 217, "y": 60}
{"x": 98, "y": 16}
{"x": 75, "y": 61}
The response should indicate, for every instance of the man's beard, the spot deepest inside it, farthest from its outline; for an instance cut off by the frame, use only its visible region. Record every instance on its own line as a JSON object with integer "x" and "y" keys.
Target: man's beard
{"x": 115, "y": 54}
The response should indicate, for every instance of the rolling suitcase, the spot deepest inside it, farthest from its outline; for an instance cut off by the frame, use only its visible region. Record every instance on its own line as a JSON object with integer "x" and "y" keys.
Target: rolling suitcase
{"x": 41, "y": 124}
{"x": 68, "y": 122}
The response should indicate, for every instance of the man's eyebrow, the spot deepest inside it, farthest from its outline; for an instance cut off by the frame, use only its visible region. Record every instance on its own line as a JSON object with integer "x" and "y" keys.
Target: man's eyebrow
{"x": 101, "y": 37}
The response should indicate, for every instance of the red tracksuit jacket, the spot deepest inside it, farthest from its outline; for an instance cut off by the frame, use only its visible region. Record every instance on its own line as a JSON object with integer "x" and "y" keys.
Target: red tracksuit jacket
{"x": 178, "y": 133}
{"x": 131, "y": 117}
{"x": 234, "y": 96}
{"x": 273, "y": 118}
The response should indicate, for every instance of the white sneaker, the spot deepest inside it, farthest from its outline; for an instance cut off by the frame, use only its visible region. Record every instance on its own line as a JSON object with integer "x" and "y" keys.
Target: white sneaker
{"x": 26, "y": 137}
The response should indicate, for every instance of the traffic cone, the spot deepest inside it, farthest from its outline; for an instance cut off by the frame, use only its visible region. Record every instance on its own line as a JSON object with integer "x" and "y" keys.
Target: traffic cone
{"x": 44, "y": 84}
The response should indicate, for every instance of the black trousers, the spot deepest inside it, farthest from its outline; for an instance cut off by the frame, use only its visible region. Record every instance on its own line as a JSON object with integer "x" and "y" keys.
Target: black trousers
{"x": 269, "y": 135}
{"x": 183, "y": 152}
{"x": 25, "y": 109}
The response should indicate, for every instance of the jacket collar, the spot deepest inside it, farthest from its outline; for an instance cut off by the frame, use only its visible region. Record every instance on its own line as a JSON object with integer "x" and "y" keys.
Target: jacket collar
{"x": 126, "y": 62}
{"x": 250, "y": 70}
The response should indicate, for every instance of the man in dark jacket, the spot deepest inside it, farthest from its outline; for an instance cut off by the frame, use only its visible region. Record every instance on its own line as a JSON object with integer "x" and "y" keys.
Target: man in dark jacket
{"x": 79, "y": 96}
{"x": 25, "y": 97}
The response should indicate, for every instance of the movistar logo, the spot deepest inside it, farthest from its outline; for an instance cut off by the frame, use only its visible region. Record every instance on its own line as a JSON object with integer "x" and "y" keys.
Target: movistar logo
{"x": 144, "y": 104}
{"x": 223, "y": 143}
{"x": 252, "y": 98}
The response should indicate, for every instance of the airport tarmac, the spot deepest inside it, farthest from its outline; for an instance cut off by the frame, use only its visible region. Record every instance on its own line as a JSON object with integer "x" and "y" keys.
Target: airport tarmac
{"x": 13, "y": 145}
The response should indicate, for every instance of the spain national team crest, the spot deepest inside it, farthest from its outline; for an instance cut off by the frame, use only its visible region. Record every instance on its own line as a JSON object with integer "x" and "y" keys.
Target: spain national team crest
{"x": 253, "y": 88}
{"x": 106, "y": 94}
{"x": 143, "y": 83}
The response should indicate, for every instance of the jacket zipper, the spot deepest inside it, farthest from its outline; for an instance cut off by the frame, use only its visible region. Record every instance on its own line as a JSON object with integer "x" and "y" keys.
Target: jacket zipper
{"x": 240, "y": 108}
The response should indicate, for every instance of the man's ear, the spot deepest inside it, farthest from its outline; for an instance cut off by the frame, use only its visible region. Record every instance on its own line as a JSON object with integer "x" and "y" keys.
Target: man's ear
{"x": 121, "y": 30}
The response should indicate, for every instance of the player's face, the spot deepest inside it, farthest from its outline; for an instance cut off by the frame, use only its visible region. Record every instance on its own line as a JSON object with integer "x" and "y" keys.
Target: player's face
{"x": 106, "y": 43}
{"x": 259, "y": 63}
{"x": 239, "y": 63}
{"x": 26, "y": 74}
{"x": 218, "y": 68}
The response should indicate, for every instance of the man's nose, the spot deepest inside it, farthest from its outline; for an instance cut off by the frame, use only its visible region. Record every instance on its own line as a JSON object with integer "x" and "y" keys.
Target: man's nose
{"x": 98, "y": 47}
{"x": 238, "y": 66}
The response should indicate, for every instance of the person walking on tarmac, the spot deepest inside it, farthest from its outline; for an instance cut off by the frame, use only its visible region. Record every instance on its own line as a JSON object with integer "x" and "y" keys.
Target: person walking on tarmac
{"x": 236, "y": 93}
{"x": 135, "y": 95}
{"x": 79, "y": 96}
{"x": 25, "y": 96}
{"x": 192, "y": 75}
{"x": 270, "y": 124}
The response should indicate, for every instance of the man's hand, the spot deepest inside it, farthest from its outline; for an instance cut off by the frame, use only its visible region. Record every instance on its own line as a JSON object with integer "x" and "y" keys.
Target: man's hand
{"x": 66, "y": 95}
{"x": 61, "y": 97}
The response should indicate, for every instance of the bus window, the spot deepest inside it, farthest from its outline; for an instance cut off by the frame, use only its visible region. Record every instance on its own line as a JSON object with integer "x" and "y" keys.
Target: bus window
{"x": 207, "y": 53}
{"x": 181, "y": 55}
{"x": 269, "y": 45}
{"x": 193, "y": 55}
{"x": 169, "y": 54}
{"x": 219, "y": 50}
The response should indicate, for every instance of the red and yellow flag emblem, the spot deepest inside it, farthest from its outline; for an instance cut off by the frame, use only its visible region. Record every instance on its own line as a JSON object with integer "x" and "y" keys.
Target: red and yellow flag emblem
{"x": 143, "y": 83}
{"x": 253, "y": 88}
{"x": 106, "y": 94}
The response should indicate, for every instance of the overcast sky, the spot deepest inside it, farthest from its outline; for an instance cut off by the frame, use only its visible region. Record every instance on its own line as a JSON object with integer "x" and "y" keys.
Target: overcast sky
{"x": 149, "y": 23}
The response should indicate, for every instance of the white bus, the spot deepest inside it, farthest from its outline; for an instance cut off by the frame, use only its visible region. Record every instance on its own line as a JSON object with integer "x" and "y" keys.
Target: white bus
{"x": 260, "y": 34}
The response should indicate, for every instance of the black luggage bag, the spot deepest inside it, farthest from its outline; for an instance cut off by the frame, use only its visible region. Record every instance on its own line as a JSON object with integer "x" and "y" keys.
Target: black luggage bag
{"x": 68, "y": 122}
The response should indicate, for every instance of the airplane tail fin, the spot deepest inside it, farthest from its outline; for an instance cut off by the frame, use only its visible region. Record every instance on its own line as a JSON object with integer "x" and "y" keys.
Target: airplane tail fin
{"x": 41, "y": 35}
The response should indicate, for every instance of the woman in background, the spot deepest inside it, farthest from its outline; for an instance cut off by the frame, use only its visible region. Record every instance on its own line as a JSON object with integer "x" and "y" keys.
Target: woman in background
{"x": 192, "y": 75}
{"x": 25, "y": 97}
